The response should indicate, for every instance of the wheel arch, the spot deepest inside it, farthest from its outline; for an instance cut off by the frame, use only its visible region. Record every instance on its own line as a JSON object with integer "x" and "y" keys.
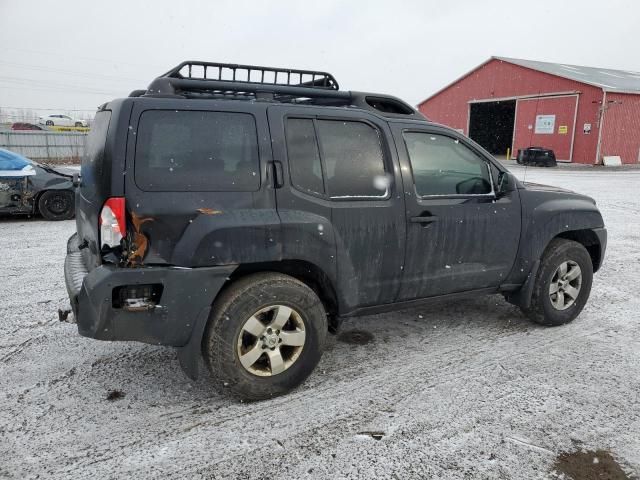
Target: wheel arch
{"x": 310, "y": 274}
{"x": 589, "y": 240}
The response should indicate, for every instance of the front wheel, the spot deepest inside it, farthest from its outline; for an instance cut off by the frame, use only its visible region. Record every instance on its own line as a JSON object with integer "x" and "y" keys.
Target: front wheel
{"x": 265, "y": 335}
{"x": 57, "y": 205}
{"x": 562, "y": 285}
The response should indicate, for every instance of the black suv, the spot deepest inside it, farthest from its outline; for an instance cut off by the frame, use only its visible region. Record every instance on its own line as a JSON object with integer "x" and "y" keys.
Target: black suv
{"x": 238, "y": 213}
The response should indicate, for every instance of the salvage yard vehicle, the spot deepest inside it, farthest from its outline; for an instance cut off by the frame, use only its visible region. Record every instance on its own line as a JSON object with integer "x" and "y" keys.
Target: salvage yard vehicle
{"x": 60, "y": 120}
{"x": 239, "y": 213}
{"x": 28, "y": 187}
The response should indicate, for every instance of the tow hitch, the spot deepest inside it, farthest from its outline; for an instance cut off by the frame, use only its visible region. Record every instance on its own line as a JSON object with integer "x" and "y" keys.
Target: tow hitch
{"x": 66, "y": 315}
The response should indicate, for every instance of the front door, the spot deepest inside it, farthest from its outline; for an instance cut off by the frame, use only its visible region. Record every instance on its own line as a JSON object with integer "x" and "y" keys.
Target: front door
{"x": 461, "y": 236}
{"x": 342, "y": 187}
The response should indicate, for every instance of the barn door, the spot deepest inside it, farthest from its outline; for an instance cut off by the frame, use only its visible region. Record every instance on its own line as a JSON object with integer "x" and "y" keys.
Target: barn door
{"x": 547, "y": 122}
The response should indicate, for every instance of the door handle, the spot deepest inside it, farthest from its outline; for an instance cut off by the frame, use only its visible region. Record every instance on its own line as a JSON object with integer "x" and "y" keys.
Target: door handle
{"x": 278, "y": 174}
{"x": 426, "y": 219}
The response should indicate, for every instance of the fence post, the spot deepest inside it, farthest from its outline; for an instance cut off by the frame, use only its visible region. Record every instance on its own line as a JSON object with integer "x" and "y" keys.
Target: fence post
{"x": 46, "y": 141}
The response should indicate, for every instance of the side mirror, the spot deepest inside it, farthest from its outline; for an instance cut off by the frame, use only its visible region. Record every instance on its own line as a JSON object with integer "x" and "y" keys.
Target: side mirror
{"x": 77, "y": 179}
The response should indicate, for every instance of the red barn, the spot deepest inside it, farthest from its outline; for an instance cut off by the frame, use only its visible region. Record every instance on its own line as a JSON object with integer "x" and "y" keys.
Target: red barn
{"x": 582, "y": 113}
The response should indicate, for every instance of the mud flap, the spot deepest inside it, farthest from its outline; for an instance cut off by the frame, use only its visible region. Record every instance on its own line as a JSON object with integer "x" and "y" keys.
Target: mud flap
{"x": 522, "y": 297}
{"x": 190, "y": 355}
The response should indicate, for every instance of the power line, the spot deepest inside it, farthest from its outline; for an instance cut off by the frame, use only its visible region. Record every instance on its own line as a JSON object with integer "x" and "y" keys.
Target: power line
{"x": 48, "y": 86}
{"x": 70, "y": 72}
{"x": 50, "y": 109}
{"x": 90, "y": 59}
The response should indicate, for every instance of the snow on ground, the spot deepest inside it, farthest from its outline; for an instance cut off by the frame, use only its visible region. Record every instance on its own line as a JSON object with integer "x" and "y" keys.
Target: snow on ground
{"x": 464, "y": 390}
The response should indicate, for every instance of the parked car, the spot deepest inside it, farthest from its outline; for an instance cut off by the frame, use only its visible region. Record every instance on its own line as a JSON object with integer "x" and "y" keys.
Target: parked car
{"x": 241, "y": 231}
{"x": 28, "y": 187}
{"x": 24, "y": 126}
{"x": 537, "y": 156}
{"x": 59, "y": 120}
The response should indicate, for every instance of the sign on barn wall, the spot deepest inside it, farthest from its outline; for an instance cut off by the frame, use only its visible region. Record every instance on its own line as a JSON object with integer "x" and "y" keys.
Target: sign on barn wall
{"x": 545, "y": 124}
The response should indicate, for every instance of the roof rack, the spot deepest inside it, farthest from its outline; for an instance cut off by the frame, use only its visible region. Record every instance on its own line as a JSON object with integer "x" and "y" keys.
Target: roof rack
{"x": 196, "y": 79}
{"x": 225, "y": 78}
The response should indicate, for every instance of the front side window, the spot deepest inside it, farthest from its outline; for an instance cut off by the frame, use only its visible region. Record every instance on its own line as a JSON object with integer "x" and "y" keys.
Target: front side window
{"x": 353, "y": 159}
{"x": 196, "y": 151}
{"x": 443, "y": 165}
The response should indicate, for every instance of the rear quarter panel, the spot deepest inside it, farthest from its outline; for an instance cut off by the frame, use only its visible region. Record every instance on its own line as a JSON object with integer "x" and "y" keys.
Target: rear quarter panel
{"x": 205, "y": 228}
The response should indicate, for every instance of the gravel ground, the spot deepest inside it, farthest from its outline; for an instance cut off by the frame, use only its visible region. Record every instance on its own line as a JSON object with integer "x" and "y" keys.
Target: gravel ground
{"x": 463, "y": 390}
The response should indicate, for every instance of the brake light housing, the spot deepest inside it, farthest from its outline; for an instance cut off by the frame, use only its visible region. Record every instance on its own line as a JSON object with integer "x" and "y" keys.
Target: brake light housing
{"x": 113, "y": 226}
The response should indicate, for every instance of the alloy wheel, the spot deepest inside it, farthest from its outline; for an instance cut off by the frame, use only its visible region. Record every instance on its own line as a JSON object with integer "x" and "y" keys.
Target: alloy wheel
{"x": 565, "y": 285}
{"x": 271, "y": 340}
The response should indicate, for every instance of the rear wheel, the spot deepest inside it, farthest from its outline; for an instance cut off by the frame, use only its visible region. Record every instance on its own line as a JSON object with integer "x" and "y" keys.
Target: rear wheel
{"x": 562, "y": 285}
{"x": 57, "y": 205}
{"x": 49, "y": 123}
{"x": 265, "y": 335}
{"x": 78, "y": 124}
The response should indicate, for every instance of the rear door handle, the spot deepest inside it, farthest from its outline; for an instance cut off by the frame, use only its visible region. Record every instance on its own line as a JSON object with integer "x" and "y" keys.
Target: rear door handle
{"x": 424, "y": 219}
{"x": 278, "y": 174}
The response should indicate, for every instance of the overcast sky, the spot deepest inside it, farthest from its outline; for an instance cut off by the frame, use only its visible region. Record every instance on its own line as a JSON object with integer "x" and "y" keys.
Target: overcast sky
{"x": 78, "y": 54}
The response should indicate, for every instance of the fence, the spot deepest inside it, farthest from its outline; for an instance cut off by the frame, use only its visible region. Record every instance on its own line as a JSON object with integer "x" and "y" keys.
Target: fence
{"x": 54, "y": 147}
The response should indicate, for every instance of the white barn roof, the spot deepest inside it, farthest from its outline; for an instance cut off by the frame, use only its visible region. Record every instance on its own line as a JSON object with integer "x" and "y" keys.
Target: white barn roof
{"x": 607, "y": 79}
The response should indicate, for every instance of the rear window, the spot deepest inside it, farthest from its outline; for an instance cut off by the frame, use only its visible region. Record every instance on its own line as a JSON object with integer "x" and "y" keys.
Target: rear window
{"x": 93, "y": 159}
{"x": 197, "y": 151}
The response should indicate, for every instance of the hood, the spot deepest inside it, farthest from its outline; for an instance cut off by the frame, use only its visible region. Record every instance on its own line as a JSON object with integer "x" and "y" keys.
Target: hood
{"x": 66, "y": 171}
{"x": 58, "y": 170}
{"x": 560, "y": 192}
{"x": 545, "y": 188}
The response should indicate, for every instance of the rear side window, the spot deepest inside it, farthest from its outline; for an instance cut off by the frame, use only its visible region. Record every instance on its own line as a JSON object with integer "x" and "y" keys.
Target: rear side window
{"x": 353, "y": 160}
{"x": 304, "y": 159}
{"x": 444, "y": 166}
{"x": 93, "y": 158}
{"x": 344, "y": 160}
{"x": 197, "y": 151}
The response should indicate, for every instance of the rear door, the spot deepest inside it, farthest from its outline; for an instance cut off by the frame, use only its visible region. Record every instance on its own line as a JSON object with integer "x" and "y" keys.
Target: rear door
{"x": 340, "y": 204}
{"x": 460, "y": 235}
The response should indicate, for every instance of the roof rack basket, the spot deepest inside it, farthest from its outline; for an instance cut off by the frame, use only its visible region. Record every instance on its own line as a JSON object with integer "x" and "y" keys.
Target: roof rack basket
{"x": 209, "y": 80}
{"x": 225, "y": 78}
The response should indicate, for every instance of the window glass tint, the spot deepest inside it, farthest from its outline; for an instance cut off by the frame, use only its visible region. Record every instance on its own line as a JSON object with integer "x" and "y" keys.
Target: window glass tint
{"x": 197, "y": 151}
{"x": 353, "y": 159}
{"x": 93, "y": 158}
{"x": 444, "y": 166}
{"x": 302, "y": 151}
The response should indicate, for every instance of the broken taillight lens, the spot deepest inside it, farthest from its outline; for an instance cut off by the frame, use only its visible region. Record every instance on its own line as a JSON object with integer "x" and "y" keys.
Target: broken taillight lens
{"x": 112, "y": 222}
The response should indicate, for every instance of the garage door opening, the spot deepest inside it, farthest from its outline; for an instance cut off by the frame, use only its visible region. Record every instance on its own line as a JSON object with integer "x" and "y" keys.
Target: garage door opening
{"x": 491, "y": 125}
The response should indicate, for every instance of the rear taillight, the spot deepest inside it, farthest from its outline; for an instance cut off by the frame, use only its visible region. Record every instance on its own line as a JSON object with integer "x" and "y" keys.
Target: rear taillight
{"x": 112, "y": 222}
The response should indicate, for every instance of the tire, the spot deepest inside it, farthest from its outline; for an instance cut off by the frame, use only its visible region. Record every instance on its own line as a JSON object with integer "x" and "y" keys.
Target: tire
{"x": 57, "y": 205}
{"x": 49, "y": 123}
{"x": 549, "y": 309}
{"x": 78, "y": 124}
{"x": 264, "y": 297}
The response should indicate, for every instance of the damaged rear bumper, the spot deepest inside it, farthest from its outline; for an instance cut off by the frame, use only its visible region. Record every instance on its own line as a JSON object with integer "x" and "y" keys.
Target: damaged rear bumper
{"x": 186, "y": 296}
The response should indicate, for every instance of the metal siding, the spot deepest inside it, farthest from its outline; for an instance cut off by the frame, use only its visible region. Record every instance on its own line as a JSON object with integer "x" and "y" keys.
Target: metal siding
{"x": 562, "y": 107}
{"x": 621, "y": 128}
{"x": 498, "y": 79}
